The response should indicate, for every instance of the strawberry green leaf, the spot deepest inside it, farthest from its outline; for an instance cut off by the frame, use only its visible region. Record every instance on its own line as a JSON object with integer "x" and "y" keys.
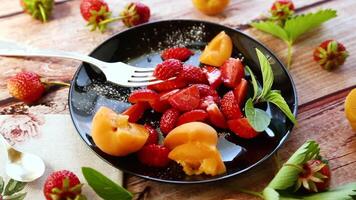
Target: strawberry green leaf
{"x": 2, "y": 183}
{"x": 270, "y": 194}
{"x": 267, "y": 73}
{"x": 277, "y": 99}
{"x": 18, "y": 196}
{"x": 256, "y": 89}
{"x": 258, "y": 118}
{"x": 287, "y": 176}
{"x": 345, "y": 192}
{"x": 13, "y": 186}
{"x": 271, "y": 28}
{"x": 298, "y": 25}
{"x": 103, "y": 186}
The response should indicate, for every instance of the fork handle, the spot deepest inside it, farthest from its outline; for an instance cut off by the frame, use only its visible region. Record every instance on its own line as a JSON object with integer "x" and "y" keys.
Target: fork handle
{"x": 13, "y": 49}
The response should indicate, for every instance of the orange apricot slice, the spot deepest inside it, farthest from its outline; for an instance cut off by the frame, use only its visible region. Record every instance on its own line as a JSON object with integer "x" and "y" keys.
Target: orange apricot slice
{"x": 197, "y": 158}
{"x": 350, "y": 108}
{"x": 210, "y": 7}
{"x": 115, "y": 135}
{"x": 217, "y": 51}
{"x": 191, "y": 132}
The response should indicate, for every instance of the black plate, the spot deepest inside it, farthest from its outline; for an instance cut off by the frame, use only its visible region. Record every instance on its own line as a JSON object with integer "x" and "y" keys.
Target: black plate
{"x": 140, "y": 46}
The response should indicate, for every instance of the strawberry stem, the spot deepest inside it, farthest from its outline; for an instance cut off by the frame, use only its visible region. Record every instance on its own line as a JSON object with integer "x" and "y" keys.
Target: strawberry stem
{"x": 289, "y": 58}
{"x": 57, "y": 83}
{"x": 257, "y": 194}
{"x": 106, "y": 21}
{"x": 43, "y": 12}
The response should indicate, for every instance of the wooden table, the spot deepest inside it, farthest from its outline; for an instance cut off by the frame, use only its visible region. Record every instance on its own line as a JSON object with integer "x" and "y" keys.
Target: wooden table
{"x": 321, "y": 94}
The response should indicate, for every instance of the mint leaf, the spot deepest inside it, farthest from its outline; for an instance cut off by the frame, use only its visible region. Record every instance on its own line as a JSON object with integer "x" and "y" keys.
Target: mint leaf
{"x": 18, "y": 196}
{"x": 103, "y": 186}
{"x": 267, "y": 73}
{"x": 298, "y": 25}
{"x": 256, "y": 89}
{"x": 277, "y": 99}
{"x": 258, "y": 118}
{"x": 2, "y": 183}
{"x": 287, "y": 176}
{"x": 272, "y": 28}
{"x": 13, "y": 186}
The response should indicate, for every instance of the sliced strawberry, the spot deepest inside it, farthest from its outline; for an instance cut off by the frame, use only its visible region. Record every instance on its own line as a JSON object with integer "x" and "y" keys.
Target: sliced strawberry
{"x": 192, "y": 74}
{"x": 159, "y": 106}
{"x": 208, "y": 100}
{"x": 140, "y": 95}
{"x": 240, "y": 91}
{"x": 164, "y": 96}
{"x": 242, "y": 128}
{"x": 154, "y": 155}
{"x": 168, "y": 69}
{"x": 215, "y": 116}
{"x": 169, "y": 120}
{"x": 205, "y": 90}
{"x": 213, "y": 75}
{"x": 153, "y": 135}
{"x": 136, "y": 111}
{"x": 168, "y": 85}
{"x": 230, "y": 107}
{"x": 197, "y": 115}
{"x": 179, "y": 53}
{"x": 186, "y": 99}
{"x": 232, "y": 72}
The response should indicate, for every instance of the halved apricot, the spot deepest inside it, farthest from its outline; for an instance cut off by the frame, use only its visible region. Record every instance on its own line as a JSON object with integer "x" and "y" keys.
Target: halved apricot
{"x": 191, "y": 132}
{"x": 211, "y": 7}
{"x": 115, "y": 135}
{"x": 350, "y": 108}
{"x": 197, "y": 158}
{"x": 217, "y": 51}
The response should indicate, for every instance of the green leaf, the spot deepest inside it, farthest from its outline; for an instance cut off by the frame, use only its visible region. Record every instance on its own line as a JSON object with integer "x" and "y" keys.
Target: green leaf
{"x": 18, "y": 196}
{"x": 298, "y": 25}
{"x": 267, "y": 73}
{"x": 258, "y": 118}
{"x": 256, "y": 88}
{"x": 277, "y": 99}
{"x": 270, "y": 194}
{"x": 13, "y": 186}
{"x": 272, "y": 28}
{"x": 345, "y": 192}
{"x": 103, "y": 186}
{"x": 2, "y": 183}
{"x": 287, "y": 176}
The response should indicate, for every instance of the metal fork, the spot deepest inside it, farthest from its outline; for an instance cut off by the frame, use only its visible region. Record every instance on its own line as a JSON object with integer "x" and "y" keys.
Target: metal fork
{"x": 118, "y": 72}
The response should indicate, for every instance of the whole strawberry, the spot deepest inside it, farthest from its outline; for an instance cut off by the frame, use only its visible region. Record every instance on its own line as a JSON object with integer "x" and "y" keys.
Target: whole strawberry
{"x": 168, "y": 69}
{"x": 135, "y": 13}
{"x": 330, "y": 54}
{"x": 39, "y": 9}
{"x": 26, "y": 86}
{"x": 95, "y": 11}
{"x": 315, "y": 176}
{"x": 179, "y": 53}
{"x": 282, "y": 9}
{"x": 63, "y": 185}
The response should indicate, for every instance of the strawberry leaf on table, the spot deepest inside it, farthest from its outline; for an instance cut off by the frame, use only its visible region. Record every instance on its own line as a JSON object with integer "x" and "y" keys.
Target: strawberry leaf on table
{"x": 103, "y": 186}
{"x": 258, "y": 118}
{"x": 295, "y": 27}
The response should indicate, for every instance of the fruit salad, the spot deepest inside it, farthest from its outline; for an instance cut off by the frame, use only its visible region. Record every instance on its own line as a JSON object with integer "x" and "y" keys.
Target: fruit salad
{"x": 192, "y": 102}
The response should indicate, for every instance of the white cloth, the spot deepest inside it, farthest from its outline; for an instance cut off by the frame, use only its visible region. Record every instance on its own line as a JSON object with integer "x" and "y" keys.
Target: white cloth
{"x": 55, "y": 140}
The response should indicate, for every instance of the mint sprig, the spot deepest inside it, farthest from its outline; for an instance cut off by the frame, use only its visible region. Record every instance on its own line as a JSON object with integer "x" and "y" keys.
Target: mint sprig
{"x": 258, "y": 118}
{"x": 295, "y": 26}
{"x": 12, "y": 190}
{"x": 103, "y": 186}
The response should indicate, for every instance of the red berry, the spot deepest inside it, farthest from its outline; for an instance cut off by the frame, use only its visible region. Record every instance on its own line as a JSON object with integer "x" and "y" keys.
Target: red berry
{"x": 135, "y": 13}
{"x": 282, "y": 9}
{"x": 40, "y": 10}
{"x": 215, "y": 116}
{"x": 179, "y": 53}
{"x": 153, "y": 135}
{"x": 240, "y": 91}
{"x": 135, "y": 112}
{"x": 168, "y": 85}
{"x": 169, "y": 120}
{"x": 164, "y": 96}
{"x": 330, "y": 54}
{"x": 232, "y": 71}
{"x": 26, "y": 86}
{"x": 242, "y": 128}
{"x": 192, "y": 74}
{"x": 62, "y": 185}
{"x": 154, "y": 155}
{"x": 186, "y": 99}
{"x": 208, "y": 100}
{"x": 143, "y": 95}
{"x": 197, "y": 115}
{"x": 213, "y": 75}
{"x": 168, "y": 69}
{"x": 95, "y": 11}
{"x": 205, "y": 90}
{"x": 230, "y": 107}
{"x": 315, "y": 176}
